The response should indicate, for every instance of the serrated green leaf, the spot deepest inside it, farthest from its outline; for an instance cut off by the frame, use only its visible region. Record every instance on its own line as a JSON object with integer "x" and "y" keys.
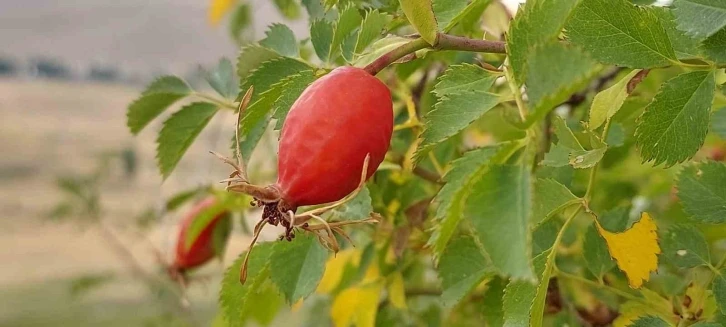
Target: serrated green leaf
{"x": 492, "y": 303}
{"x": 558, "y": 156}
{"x": 619, "y": 33}
{"x": 536, "y": 23}
{"x": 463, "y": 98}
{"x": 595, "y": 251}
{"x": 158, "y": 96}
{"x": 348, "y": 20}
{"x": 674, "y": 125}
{"x": 370, "y": 29}
{"x": 564, "y": 134}
{"x": 289, "y": 8}
{"x": 461, "y": 268}
{"x": 700, "y": 18}
{"x": 568, "y": 150}
{"x": 357, "y": 208}
{"x": 714, "y": 47}
{"x": 519, "y": 295}
{"x": 544, "y": 235}
{"x": 265, "y": 305}
{"x": 471, "y": 12}
{"x": 549, "y": 195}
{"x": 280, "y": 38}
{"x": 348, "y": 46}
{"x": 702, "y": 191}
{"x": 685, "y": 246}
{"x": 321, "y": 36}
{"x": 719, "y": 290}
{"x": 499, "y": 209}
{"x": 420, "y": 14}
{"x": 297, "y": 267}
{"x": 222, "y": 78}
{"x": 292, "y": 87}
{"x": 650, "y": 321}
{"x": 178, "y": 133}
{"x": 250, "y": 58}
{"x": 607, "y": 102}
{"x": 378, "y": 48}
{"x": 582, "y": 159}
{"x": 272, "y": 72}
{"x": 314, "y": 8}
{"x": 454, "y": 191}
{"x": 718, "y": 123}
{"x": 684, "y": 46}
{"x": 553, "y": 72}
{"x": 235, "y": 297}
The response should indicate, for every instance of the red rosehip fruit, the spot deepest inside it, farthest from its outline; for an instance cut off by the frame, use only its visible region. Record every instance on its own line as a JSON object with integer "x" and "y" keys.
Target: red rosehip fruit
{"x": 202, "y": 249}
{"x": 333, "y": 125}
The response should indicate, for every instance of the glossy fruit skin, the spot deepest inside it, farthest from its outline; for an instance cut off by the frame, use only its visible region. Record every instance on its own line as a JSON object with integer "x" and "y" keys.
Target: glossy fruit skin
{"x": 202, "y": 250}
{"x": 331, "y": 127}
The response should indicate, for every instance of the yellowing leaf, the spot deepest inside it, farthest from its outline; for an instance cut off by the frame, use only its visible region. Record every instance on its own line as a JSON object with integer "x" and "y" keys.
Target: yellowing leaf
{"x": 635, "y": 250}
{"x": 356, "y": 306}
{"x": 334, "y": 269}
{"x": 396, "y": 291}
{"x": 372, "y": 274}
{"x": 217, "y": 10}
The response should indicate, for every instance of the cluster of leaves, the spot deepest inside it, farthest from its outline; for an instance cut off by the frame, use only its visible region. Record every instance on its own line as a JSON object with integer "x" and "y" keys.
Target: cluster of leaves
{"x": 522, "y": 179}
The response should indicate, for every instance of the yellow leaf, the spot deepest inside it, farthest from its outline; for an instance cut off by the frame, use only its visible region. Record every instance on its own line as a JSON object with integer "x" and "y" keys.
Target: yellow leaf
{"x": 372, "y": 274}
{"x": 396, "y": 291}
{"x": 635, "y": 250}
{"x": 218, "y": 8}
{"x": 334, "y": 269}
{"x": 356, "y": 306}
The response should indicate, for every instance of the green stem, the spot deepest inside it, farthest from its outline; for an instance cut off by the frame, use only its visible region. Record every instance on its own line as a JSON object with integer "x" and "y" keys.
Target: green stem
{"x": 515, "y": 91}
{"x": 585, "y": 281}
{"x": 593, "y": 171}
{"x": 216, "y": 101}
{"x": 443, "y": 42}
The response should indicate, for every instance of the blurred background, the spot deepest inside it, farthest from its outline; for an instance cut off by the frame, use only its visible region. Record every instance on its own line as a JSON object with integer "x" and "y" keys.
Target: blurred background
{"x": 68, "y": 70}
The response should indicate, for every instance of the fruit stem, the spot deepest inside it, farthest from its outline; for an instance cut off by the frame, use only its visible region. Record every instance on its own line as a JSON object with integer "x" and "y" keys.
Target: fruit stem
{"x": 443, "y": 42}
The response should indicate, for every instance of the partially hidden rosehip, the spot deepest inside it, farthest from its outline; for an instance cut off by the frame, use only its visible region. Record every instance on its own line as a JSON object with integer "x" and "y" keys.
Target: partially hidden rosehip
{"x": 337, "y": 121}
{"x": 202, "y": 249}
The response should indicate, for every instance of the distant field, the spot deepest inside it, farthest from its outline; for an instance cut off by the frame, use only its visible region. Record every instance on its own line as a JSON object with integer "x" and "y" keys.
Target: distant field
{"x": 50, "y": 129}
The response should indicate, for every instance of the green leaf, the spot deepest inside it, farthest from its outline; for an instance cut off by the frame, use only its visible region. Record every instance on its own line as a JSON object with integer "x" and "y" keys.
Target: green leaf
{"x": 249, "y": 141}
{"x": 703, "y": 192}
{"x": 359, "y": 207}
{"x": 180, "y": 198}
{"x": 348, "y": 20}
{"x": 378, "y": 48}
{"x": 220, "y": 235}
{"x": 446, "y": 10}
{"x": 250, "y": 58}
{"x": 619, "y": 33}
{"x": 179, "y": 132}
{"x": 684, "y": 46}
{"x": 348, "y": 46}
{"x": 292, "y": 87}
{"x": 499, "y": 209}
{"x": 321, "y": 36}
{"x": 558, "y": 156}
{"x": 202, "y": 221}
{"x": 451, "y": 195}
{"x": 549, "y": 195}
{"x": 700, "y": 18}
{"x": 370, "y": 29}
{"x": 297, "y": 267}
{"x": 714, "y": 47}
{"x": 158, "y": 96}
{"x": 595, "y": 251}
{"x": 463, "y": 97}
{"x": 472, "y": 11}
{"x": 537, "y": 22}
{"x": 544, "y": 235}
{"x": 492, "y": 303}
{"x": 650, "y": 321}
{"x": 280, "y": 38}
{"x": 235, "y": 297}
{"x": 265, "y": 305}
{"x": 554, "y": 71}
{"x": 222, "y": 78}
{"x": 719, "y": 290}
{"x": 519, "y": 295}
{"x": 607, "y": 103}
{"x": 421, "y": 15}
{"x": 718, "y": 123}
{"x": 240, "y": 20}
{"x": 314, "y": 8}
{"x": 461, "y": 268}
{"x": 674, "y": 125}
{"x": 685, "y": 246}
{"x": 289, "y": 8}
{"x": 569, "y": 150}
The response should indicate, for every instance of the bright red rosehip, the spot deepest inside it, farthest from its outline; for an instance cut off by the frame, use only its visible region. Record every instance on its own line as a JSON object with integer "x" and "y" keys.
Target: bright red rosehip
{"x": 202, "y": 249}
{"x": 333, "y": 125}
